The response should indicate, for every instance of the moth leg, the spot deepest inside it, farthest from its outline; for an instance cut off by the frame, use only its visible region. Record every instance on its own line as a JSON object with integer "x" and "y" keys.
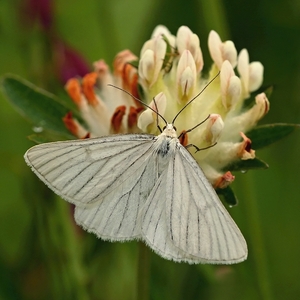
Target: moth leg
{"x": 199, "y": 149}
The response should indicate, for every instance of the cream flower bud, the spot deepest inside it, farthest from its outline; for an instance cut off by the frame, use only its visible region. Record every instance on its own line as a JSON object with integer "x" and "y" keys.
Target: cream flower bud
{"x": 152, "y": 57}
{"x": 256, "y": 70}
{"x": 214, "y": 128}
{"x": 248, "y": 119}
{"x": 161, "y": 30}
{"x": 147, "y": 119}
{"x": 260, "y": 109}
{"x": 229, "y": 52}
{"x": 187, "y": 40}
{"x": 220, "y": 52}
{"x": 229, "y": 152}
{"x": 262, "y": 105}
{"x": 147, "y": 66}
{"x": 186, "y": 77}
{"x": 230, "y": 86}
{"x": 251, "y": 74}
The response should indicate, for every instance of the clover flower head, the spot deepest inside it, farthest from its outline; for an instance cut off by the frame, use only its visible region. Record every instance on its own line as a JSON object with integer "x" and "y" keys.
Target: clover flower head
{"x": 168, "y": 76}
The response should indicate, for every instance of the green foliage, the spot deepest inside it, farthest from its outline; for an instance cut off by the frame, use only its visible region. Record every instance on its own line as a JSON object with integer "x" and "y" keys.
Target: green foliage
{"x": 228, "y": 196}
{"x": 265, "y": 135}
{"x": 38, "y": 106}
{"x": 245, "y": 165}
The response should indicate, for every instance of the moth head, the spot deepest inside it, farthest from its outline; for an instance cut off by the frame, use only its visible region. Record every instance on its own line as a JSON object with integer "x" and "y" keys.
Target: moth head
{"x": 170, "y": 130}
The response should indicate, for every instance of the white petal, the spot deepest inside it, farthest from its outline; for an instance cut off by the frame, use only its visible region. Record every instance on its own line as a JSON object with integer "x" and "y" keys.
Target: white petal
{"x": 146, "y": 65}
{"x": 229, "y": 53}
{"x": 152, "y": 58}
{"x": 214, "y": 45}
{"x": 243, "y": 68}
{"x": 225, "y": 76}
{"x": 234, "y": 89}
{"x": 256, "y": 70}
{"x": 187, "y": 40}
{"x": 183, "y": 40}
{"x": 148, "y": 117}
{"x": 145, "y": 119}
{"x": 214, "y": 128}
{"x": 160, "y": 30}
{"x": 186, "y": 75}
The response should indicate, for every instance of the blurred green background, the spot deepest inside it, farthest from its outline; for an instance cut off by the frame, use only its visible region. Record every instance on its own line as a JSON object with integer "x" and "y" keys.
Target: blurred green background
{"x": 43, "y": 255}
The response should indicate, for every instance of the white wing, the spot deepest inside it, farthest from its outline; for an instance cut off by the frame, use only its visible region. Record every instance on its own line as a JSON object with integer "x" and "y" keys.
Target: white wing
{"x": 117, "y": 216}
{"x": 197, "y": 221}
{"x": 154, "y": 226}
{"x": 84, "y": 171}
{"x": 109, "y": 180}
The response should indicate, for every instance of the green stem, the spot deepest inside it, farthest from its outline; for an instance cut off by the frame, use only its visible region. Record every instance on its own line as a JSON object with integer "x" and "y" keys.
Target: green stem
{"x": 256, "y": 237}
{"x": 143, "y": 273}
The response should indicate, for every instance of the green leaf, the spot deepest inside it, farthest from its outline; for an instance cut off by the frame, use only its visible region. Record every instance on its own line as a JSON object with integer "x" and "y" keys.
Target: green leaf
{"x": 228, "y": 196}
{"x": 245, "y": 165}
{"x": 269, "y": 91}
{"x": 38, "y": 106}
{"x": 265, "y": 135}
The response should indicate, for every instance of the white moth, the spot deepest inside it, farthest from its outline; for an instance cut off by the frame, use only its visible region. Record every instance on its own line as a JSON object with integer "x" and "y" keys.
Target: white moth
{"x": 145, "y": 187}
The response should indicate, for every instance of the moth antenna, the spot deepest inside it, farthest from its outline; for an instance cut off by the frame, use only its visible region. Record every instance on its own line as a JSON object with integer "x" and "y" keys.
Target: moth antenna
{"x": 157, "y": 115}
{"x": 189, "y": 130}
{"x": 137, "y": 99}
{"x": 195, "y": 97}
